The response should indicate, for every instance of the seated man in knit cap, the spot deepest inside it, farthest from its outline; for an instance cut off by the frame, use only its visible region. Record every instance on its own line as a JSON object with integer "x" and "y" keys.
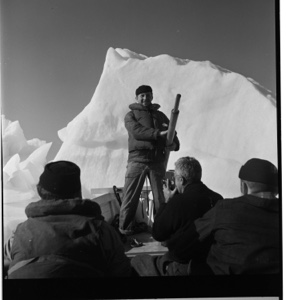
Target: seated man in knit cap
{"x": 188, "y": 201}
{"x": 245, "y": 231}
{"x": 64, "y": 236}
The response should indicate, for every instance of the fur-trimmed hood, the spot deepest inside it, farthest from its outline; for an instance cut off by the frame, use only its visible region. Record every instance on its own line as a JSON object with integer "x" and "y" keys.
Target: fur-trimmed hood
{"x": 84, "y": 207}
{"x": 138, "y": 106}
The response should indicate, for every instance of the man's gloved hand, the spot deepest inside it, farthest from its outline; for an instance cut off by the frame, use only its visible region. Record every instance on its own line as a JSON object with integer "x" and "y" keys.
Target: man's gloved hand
{"x": 171, "y": 147}
{"x": 163, "y": 133}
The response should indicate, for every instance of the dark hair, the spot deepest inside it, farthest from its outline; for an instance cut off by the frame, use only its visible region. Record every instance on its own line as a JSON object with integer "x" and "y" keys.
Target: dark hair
{"x": 46, "y": 195}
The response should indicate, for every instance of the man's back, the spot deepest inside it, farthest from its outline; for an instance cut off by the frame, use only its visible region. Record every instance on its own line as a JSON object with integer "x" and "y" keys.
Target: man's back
{"x": 247, "y": 235}
{"x": 181, "y": 211}
{"x": 64, "y": 238}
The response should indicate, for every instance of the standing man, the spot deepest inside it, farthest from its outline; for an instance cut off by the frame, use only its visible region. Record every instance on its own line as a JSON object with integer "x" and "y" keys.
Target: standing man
{"x": 147, "y": 131}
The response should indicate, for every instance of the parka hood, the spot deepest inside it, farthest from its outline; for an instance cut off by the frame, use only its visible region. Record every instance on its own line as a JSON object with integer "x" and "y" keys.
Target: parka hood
{"x": 84, "y": 207}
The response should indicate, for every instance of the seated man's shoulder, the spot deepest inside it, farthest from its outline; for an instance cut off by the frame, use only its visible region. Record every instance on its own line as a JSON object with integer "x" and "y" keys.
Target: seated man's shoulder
{"x": 229, "y": 202}
{"x": 207, "y": 192}
{"x": 215, "y": 195}
{"x": 108, "y": 229}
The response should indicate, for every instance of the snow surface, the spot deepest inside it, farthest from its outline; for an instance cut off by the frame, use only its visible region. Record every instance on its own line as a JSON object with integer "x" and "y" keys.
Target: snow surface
{"x": 225, "y": 119}
{"x": 23, "y": 163}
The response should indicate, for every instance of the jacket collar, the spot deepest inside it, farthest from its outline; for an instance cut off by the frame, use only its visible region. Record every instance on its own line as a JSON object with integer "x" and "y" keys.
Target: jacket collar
{"x": 264, "y": 203}
{"x": 138, "y": 106}
{"x": 194, "y": 186}
{"x": 83, "y": 207}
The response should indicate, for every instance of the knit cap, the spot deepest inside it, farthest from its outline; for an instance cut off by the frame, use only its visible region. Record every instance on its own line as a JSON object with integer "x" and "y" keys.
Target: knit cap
{"x": 143, "y": 89}
{"x": 61, "y": 178}
{"x": 259, "y": 170}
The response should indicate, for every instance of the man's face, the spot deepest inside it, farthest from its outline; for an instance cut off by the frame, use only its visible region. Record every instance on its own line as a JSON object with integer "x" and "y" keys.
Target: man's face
{"x": 178, "y": 181}
{"x": 145, "y": 98}
{"x": 243, "y": 187}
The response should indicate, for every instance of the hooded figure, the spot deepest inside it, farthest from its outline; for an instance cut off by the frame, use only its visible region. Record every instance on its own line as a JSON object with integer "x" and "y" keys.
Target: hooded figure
{"x": 64, "y": 236}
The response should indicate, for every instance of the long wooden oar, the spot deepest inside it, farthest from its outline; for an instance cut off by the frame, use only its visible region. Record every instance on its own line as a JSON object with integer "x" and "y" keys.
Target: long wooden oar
{"x": 172, "y": 126}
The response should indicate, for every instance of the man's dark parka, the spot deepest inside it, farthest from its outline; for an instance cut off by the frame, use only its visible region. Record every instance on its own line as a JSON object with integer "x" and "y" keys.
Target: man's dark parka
{"x": 246, "y": 233}
{"x": 176, "y": 216}
{"x": 67, "y": 238}
{"x": 144, "y": 125}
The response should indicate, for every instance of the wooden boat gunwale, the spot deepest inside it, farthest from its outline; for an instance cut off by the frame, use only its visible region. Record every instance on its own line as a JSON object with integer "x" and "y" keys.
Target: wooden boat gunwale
{"x": 110, "y": 206}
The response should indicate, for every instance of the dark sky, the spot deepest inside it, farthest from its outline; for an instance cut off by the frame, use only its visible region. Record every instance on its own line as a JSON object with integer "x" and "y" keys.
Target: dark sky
{"x": 53, "y": 51}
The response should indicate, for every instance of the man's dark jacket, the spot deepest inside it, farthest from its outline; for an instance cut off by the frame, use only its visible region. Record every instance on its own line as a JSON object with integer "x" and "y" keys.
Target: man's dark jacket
{"x": 144, "y": 125}
{"x": 67, "y": 238}
{"x": 247, "y": 236}
{"x": 176, "y": 216}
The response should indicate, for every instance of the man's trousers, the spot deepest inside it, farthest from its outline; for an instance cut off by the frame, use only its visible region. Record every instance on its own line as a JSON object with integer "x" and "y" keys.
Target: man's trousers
{"x": 134, "y": 180}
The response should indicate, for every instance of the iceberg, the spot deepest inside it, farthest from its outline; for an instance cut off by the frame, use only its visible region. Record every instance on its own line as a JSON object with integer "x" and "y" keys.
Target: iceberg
{"x": 23, "y": 163}
{"x": 224, "y": 120}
